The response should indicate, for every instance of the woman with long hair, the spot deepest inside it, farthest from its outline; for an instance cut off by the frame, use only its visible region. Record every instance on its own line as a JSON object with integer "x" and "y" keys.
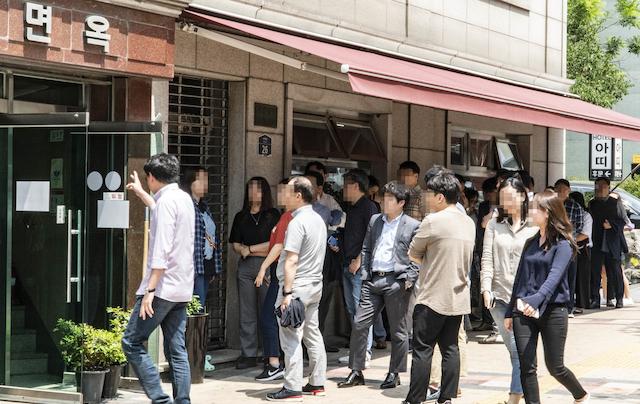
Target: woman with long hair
{"x": 583, "y": 275}
{"x": 504, "y": 239}
{"x": 249, "y": 237}
{"x": 273, "y": 367}
{"x": 540, "y": 298}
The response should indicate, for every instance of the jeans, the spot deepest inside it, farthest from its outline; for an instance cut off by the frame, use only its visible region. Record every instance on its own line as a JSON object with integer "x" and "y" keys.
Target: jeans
{"x": 172, "y": 317}
{"x": 268, "y": 320}
{"x": 200, "y": 288}
{"x": 352, "y": 286}
{"x": 309, "y": 333}
{"x": 430, "y": 329}
{"x": 509, "y": 339}
{"x": 553, "y": 326}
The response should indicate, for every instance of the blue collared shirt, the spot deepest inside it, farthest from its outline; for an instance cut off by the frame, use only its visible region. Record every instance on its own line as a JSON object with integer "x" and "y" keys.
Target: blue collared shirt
{"x": 383, "y": 260}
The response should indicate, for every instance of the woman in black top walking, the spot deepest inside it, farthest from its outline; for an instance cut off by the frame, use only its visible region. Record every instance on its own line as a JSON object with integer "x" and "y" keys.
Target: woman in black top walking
{"x": 541, "y": 296}
{"x": 250, "y": 239}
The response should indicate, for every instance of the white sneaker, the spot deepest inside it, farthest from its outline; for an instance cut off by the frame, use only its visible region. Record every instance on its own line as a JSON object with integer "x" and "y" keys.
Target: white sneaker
{"x": 571, "y": 315}
{"x": 628, "y": 302}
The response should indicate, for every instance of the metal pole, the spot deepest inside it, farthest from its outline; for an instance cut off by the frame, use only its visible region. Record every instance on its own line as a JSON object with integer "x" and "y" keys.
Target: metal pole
{"x": 635, "y": 169}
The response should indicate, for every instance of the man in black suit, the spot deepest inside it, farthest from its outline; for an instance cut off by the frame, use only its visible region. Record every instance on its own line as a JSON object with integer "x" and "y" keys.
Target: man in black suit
{"x": 608, "y": 244}
{"x": 388, "y": 276}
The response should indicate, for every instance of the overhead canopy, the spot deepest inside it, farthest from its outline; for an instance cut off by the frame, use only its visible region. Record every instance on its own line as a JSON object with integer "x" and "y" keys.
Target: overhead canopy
{"x": 387, "y": 77}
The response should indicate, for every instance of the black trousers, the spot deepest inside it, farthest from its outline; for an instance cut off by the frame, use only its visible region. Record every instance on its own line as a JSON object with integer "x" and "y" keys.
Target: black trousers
{"x": 553, "y": 326}
{"x": 573, "y": 272}
{"x": 583, "y": 278}
{"x": 431, "y": 328}
{"x": 615, "y": 283}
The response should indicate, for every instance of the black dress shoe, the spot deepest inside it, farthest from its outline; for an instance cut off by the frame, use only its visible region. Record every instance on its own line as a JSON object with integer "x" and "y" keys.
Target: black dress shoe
{"x": 610, "y": 303}
{"x": 391, "y": 381}
{"x": 619, "y": 304}
{"x": 594, "y": 305}
{"x": 356, "y": 378}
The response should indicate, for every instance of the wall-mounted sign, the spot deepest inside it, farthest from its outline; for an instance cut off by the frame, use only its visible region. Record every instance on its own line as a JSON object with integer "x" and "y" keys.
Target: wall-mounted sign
{"x": 56, "y": 174}
{"x": 605, "y": 158}
{"x": 38, "y": 23}
{"x": 264, "y": 145}
{"x": 56, "y": 135}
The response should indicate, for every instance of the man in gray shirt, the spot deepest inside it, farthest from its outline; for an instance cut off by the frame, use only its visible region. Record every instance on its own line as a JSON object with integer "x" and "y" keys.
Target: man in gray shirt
{"x": 300, "y": 274}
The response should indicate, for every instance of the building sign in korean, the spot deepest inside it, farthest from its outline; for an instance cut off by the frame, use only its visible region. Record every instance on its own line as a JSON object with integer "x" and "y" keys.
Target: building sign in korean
{"x": 88, "y": 34}
{"x": 38, "y": 22}
{"x": 605, "y": 157}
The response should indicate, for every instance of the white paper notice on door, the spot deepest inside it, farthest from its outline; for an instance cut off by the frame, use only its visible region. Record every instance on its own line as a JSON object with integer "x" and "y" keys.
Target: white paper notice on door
{"x": 32, "y": 196}
{"x": 113, "y": 214}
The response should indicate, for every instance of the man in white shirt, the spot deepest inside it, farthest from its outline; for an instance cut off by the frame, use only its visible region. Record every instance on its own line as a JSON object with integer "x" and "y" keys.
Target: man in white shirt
{"x": 167, "y": 285}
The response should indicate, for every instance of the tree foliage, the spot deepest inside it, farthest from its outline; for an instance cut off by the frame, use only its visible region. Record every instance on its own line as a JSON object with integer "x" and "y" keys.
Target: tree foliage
{"x": 594, "y": 63}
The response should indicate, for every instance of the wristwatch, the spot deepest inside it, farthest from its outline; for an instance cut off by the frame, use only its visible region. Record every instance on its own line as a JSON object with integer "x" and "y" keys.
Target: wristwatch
{"x": 285, "y": 293}
{"x": 150, "y": 290}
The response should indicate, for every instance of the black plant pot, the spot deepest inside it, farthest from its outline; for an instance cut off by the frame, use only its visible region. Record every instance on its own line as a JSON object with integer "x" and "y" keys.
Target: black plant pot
{"x": 196, "y": 342}
{"x": 90, "y": 383}
{"x": 112, "y": 382}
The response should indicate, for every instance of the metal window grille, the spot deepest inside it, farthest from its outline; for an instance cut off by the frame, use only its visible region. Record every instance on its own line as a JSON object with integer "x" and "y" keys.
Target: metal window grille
{"x": 198, "y": 136}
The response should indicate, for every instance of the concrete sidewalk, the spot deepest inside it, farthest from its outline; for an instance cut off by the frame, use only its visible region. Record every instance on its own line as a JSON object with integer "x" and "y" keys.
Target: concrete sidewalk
{"x": 603, "y": 350}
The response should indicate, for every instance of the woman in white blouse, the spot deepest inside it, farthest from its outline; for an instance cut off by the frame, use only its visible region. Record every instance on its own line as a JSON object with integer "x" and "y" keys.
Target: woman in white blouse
{"x": 504, "y": 239}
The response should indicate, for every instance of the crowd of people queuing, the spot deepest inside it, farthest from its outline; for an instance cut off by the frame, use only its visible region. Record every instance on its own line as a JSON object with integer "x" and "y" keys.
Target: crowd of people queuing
{"x": 425, "y": 257}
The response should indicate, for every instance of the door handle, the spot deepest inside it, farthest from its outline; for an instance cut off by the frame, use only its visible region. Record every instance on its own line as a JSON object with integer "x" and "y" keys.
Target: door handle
{"x": 79, "y": 258}
{"x": 69, "y": 241}
{"x": 70, "y": 233}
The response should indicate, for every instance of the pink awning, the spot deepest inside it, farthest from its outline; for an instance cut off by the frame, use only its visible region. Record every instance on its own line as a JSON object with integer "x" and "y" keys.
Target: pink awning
{"x": 387, "y": 77}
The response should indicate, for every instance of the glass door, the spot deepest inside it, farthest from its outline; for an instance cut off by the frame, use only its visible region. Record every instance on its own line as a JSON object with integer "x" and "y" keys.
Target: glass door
{"x": 43, "y": 172}
{"x": 63, "y": 235}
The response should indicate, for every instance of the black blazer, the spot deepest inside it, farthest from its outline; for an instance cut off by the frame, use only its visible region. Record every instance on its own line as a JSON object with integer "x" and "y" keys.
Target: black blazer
{"x": 404, "y": 268}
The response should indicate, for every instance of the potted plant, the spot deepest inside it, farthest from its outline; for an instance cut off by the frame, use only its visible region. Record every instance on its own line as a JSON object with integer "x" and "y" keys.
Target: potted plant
{"x": 84, "y": 350}
{"x": 118, "y": 320}
{"x": 196, "y": 339}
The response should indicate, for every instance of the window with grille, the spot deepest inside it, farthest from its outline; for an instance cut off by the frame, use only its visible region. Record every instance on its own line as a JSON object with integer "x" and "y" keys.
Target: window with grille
{"x": 198, "y": 122}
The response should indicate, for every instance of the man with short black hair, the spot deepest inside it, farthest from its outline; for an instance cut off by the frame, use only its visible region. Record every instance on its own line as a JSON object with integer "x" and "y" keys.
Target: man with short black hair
{"x": 409, "y": 175}
{"x": 317, "y": 181}
{"x": 167, "y": 286}
{"x": 300, "y": 275}
{"x": 608, "y": 244}
{"x": 359, "y": 213}
{"x": 576, "y": 217}
{"x": 325, "y": 199}
{"x": 443, "y": 246}
{"x": 388, "y": 277}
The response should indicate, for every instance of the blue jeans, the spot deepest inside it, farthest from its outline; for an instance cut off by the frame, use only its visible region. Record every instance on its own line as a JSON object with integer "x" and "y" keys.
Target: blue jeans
{"x": 200, "y": 288}
{"x": 352, "y": 286}
{"x": 498, "y": 313}
{"x": 268, "y": 321}
{"x": 172, "y": 317}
